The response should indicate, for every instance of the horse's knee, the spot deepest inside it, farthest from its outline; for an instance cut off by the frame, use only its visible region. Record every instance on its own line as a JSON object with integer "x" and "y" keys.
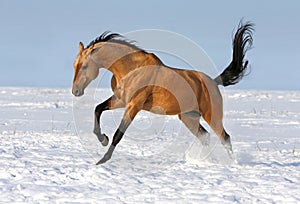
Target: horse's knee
{"x": 101, "y": 107}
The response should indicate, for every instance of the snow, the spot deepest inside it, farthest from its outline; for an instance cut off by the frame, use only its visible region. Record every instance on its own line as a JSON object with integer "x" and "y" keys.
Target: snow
{"x": 48, "y": 152}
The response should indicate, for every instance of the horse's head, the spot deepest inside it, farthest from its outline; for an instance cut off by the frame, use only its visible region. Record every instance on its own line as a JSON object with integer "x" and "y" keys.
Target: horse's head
{"x": 85, "y": 69}
{"x": 103, "y": 52}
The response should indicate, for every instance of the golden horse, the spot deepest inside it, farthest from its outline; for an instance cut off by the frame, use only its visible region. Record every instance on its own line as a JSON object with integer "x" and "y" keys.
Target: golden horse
{"x": 142, "y": 82}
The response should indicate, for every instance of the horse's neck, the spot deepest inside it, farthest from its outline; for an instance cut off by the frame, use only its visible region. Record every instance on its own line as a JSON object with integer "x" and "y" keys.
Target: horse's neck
{"x": 120, "y": 59}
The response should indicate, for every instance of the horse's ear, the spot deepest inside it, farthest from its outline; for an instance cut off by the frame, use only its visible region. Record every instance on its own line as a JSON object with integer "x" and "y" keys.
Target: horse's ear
{"x": 80, "y": 47}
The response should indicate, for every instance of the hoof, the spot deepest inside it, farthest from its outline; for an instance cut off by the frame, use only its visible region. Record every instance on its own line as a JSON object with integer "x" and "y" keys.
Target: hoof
{"x": 205, "y": 140}
{"x": 103, "y": 160}
{"x": 228, "y": 148}
{"x": 100, "y": 162}
{"x": 107, "y": 155}
{"x": 105, "y": 140}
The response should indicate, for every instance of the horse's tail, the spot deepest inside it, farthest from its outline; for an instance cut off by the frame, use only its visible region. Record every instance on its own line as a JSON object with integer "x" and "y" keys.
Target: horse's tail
{"x": 236, "y": 69}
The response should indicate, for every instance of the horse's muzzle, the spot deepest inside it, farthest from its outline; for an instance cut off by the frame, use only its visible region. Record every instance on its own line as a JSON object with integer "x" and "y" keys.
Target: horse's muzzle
{"x": 77, "y": 92}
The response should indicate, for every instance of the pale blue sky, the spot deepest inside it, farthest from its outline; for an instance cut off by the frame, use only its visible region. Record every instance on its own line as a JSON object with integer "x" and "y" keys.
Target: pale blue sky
{"x": 39, "y": 38}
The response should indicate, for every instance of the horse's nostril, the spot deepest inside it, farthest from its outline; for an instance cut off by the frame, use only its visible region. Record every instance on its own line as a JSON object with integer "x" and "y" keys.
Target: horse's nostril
{"x": 76, "y": 92}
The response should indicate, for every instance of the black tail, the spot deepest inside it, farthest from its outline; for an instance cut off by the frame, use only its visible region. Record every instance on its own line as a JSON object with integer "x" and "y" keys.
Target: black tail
{"x": 241, "y": 43}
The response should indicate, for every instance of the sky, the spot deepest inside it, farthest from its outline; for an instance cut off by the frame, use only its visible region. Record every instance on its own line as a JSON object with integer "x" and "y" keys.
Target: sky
{"x": 39, "y": 39}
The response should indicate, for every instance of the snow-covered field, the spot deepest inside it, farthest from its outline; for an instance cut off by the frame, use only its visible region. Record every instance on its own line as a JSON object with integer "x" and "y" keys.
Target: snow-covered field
{"x": 44, "y": 160}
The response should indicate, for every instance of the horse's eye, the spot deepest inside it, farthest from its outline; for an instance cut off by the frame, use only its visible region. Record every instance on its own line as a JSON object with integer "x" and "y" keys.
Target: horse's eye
{"x": 84, "y": 67}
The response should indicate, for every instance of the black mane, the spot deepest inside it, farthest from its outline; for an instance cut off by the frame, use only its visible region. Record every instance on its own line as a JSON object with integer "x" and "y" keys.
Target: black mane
{"x": 113, "y": 37}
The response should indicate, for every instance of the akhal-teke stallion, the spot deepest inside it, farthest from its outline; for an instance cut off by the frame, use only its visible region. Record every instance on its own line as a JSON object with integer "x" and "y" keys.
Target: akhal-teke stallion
{"x": 141, "y": 81}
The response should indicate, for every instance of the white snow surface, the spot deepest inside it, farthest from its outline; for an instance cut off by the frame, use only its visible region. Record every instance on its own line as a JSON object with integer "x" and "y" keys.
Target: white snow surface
{"x": 48, "y": 152}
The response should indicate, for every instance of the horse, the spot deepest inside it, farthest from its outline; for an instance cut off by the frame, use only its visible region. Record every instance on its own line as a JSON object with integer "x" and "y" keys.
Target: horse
{"x": 141, "y": 81}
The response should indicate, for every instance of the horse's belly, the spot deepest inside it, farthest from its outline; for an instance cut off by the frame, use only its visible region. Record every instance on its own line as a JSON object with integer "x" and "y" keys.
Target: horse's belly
{"x": 164, "y": 102}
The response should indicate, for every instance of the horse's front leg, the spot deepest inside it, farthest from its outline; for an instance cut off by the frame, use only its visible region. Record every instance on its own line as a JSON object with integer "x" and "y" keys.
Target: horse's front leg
{"x": 97, "y": 129}
{"x": 129, "y": 115}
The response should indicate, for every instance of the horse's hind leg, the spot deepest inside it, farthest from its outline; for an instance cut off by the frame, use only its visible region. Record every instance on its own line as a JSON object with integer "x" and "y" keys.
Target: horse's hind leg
{"x": 216, "y": 124}
{"x": 227, "y": 143}
{"x": 191, "y": 121}
{"x": 225, "y": 139}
